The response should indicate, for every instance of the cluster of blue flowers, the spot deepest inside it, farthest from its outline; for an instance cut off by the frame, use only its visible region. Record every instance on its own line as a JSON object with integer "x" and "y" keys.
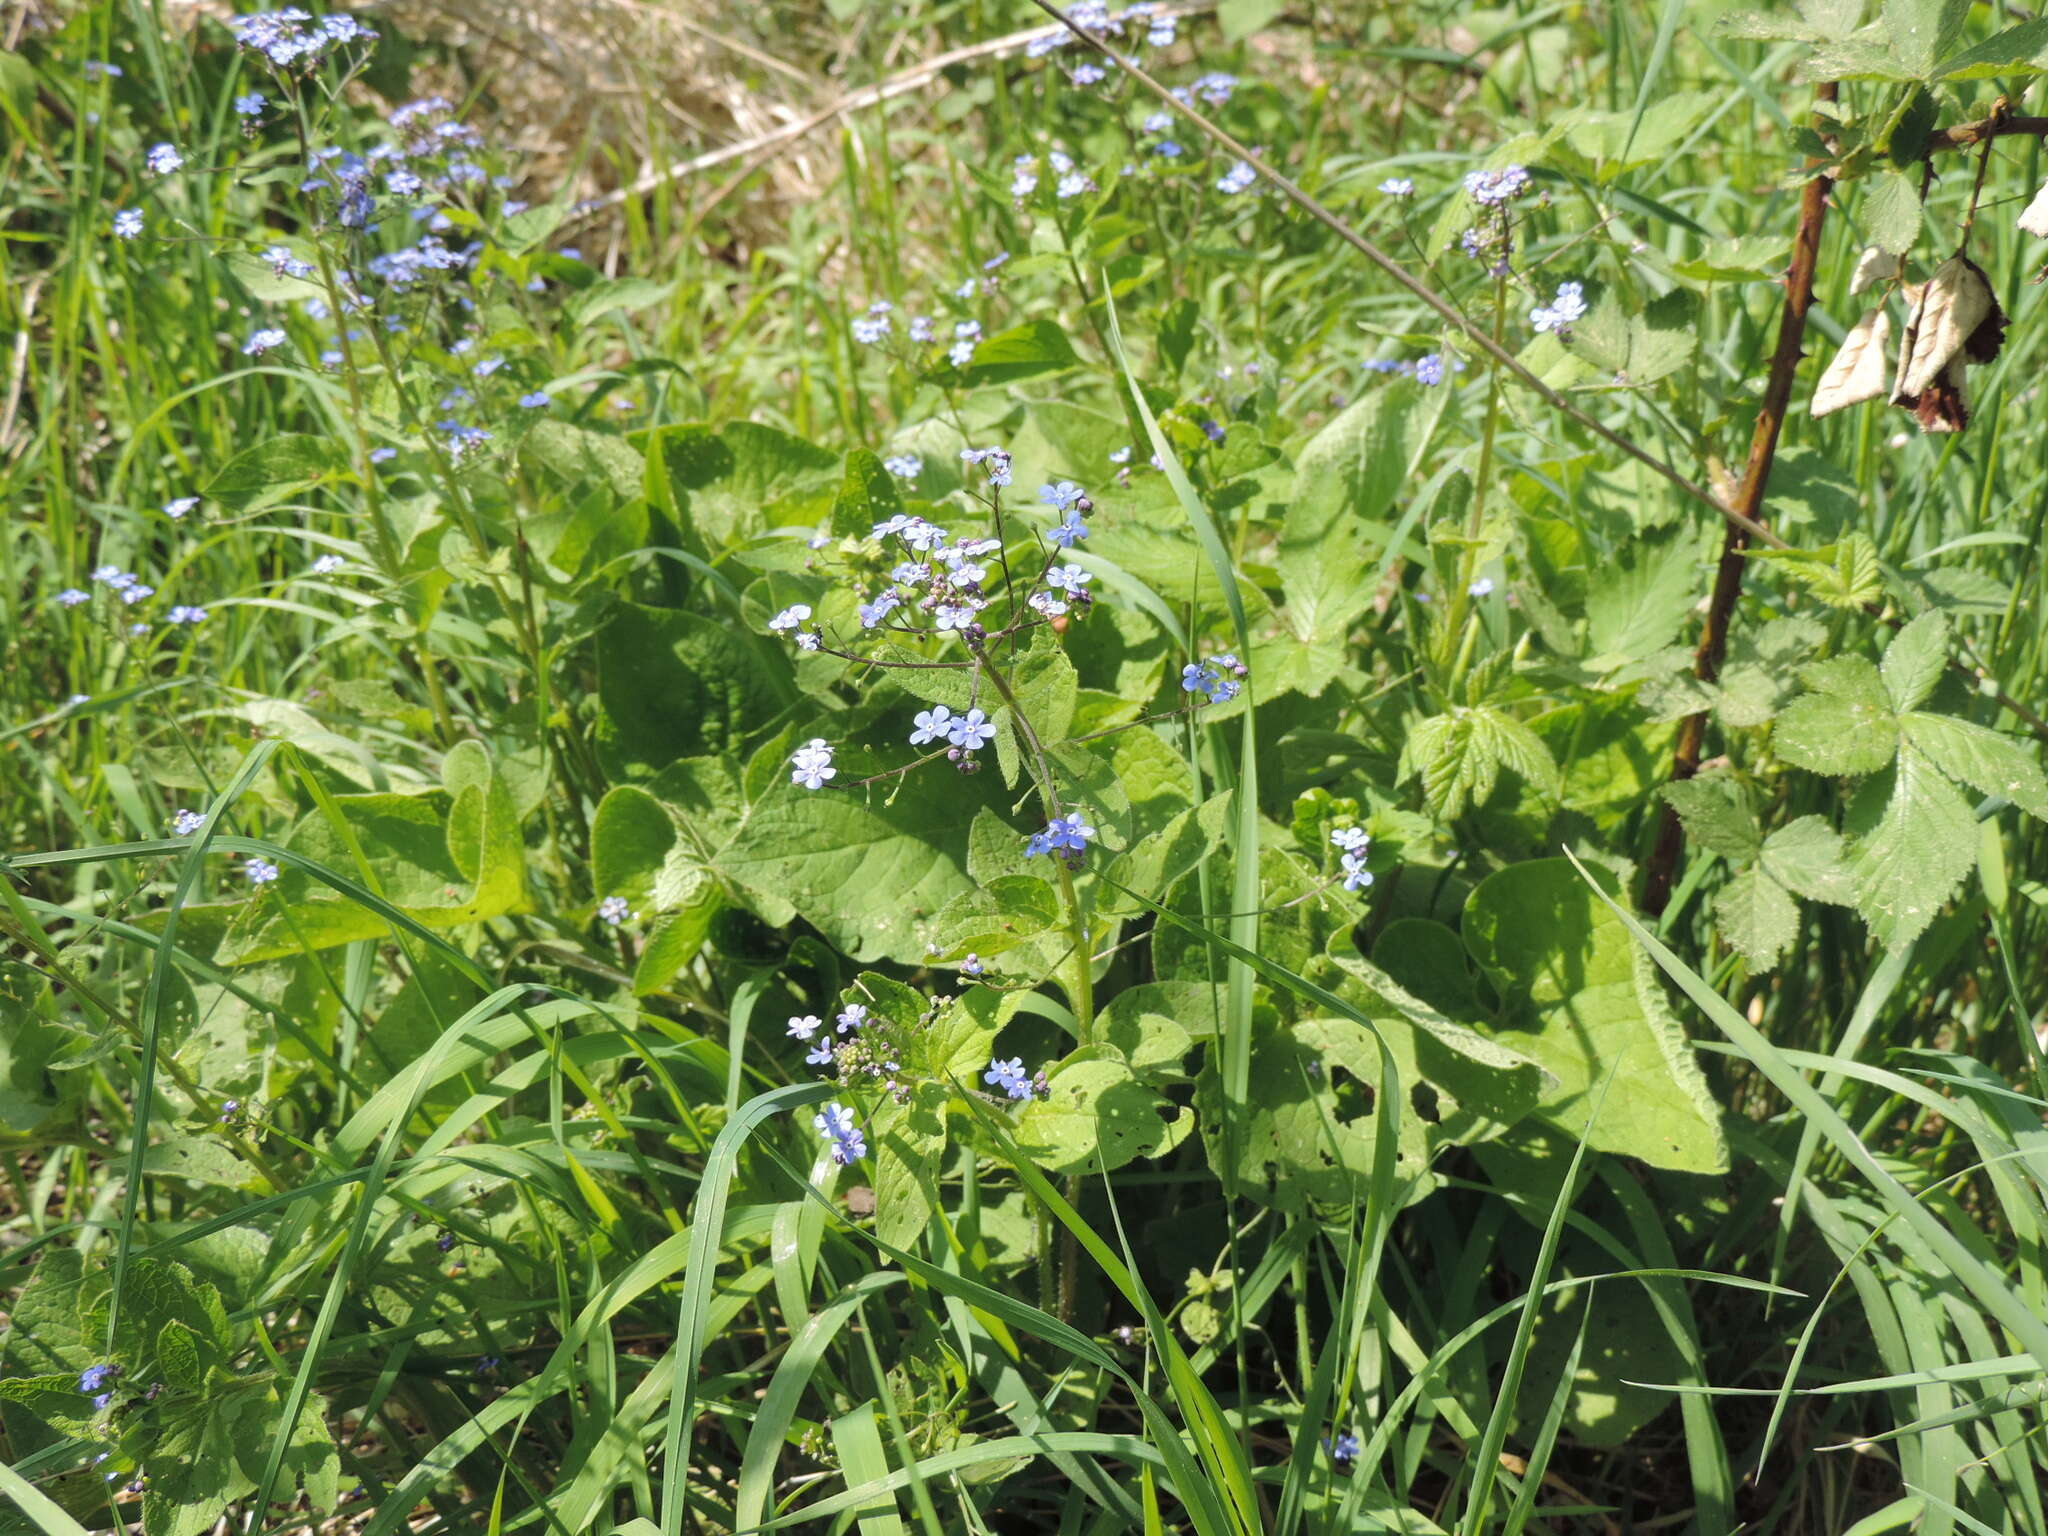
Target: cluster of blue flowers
{"x": 1561, "y": 312}
{"x": 1065, "y": 836}
{"x": 1218, "y": 680}
{"x": 614, "y": 910}
{"x": 836, "y": 1124}
{"x": 1352, "y": 844}
{"x": 94, "y": 1382}
{"x": 132, "y": 590}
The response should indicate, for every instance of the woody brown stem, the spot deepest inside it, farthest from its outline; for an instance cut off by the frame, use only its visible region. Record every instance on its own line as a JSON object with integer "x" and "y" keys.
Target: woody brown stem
{"x": 1749, "y": 500}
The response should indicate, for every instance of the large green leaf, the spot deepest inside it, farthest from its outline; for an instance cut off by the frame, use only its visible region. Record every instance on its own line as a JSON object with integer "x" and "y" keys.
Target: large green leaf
{"x": 1344, "y": 480}
{"x": 1581, "y": 1001}
{"x": 445, "y": 858}
{"x": 870, "y": 872}
{"x": 1916, "y": 855}
{"x": 720, "y": 485}
{"x": 675, "y": 684}
{"x": 1096, "y": 1117}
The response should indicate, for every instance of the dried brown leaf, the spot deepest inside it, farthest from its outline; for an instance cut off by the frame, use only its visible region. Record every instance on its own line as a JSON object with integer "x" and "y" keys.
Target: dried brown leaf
{"x": 1941, "y": 406}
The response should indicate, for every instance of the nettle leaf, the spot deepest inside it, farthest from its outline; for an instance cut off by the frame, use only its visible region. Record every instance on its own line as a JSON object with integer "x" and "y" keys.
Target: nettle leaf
{"x": 1988, "y": 761}
{"x": 1762, "y": 669}
{"x": 1806, "y": 857}
{"x": 1891, "y": 212}
{"x": 1845, "y": 726}
{"x": 1757, "y": 918}
{"x": 2017, "y": 50}
{"x": 1459, "y": 757}
{"x": 1711, "y": 810}
{"x": 1098, "y": 1116}
{"x": 1916, "y": 856}
{"x": 673, "y": 684}
{"x": 1923, "y": 32}
{"x": 1845, "y": 574}
{"x": 1914, "y": 661}
{"x": 1583, "y": 1003}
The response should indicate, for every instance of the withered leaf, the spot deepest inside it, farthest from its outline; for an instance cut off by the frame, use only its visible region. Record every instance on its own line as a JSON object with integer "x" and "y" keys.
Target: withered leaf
{"x": 2035, "y": 220}
{"x": 1874, "y": 266}
{"x": 1941, "y": 407}
{"x": 1860, "y": 369}
{"x": 1956, "y": 302}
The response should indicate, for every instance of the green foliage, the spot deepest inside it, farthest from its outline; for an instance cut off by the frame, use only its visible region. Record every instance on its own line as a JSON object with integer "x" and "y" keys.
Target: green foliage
{"x": 530, "y": 1002}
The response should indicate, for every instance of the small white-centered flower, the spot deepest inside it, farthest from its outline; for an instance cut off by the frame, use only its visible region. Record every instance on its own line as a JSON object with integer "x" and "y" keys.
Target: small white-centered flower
{"x": 259, "y": 871}
{"x": 971, "y": 731}
{"x": 790, "y": 618}
{"x": 811, "y": 764}
{"x": 184, "y": 823}
{"x": 615, "y": 910}
{"x": 163, "y": 159}
{"x": 933, "y": 724}
{"x": 803, "y": 1025}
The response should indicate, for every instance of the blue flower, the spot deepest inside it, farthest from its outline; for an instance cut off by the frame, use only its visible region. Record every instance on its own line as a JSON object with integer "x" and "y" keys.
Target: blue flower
{"x": 1492, "y": 188}
{"x": 811, "y": 764}
{"x": 615, "y": 910}
{"x": 163, "y": 158}
{"x": 1009, "y": 1076}
{"x": 1073, "y": 184}
{"x": 933, "y": 724}
{"x": 186, "y": 615}
{"x": 94, "y": 1378}
{"x": 259, "y": 871}
{"x": 327, "y": 565}
{"x": 851, "y": 1018}
{"x": 835, "y": 1124}
{"x": 904, "y": 466}
{"x": 1397, "y": 186}
{"x": 1483, "y": 587}
{"x": 250, "y": 105}
{"x": 185, "y": 823}
{"x": 536, "y": 401}
{"x": 970, "y": 732}
{"x": 71, "y": 597}
{"x": 1061, "y": 497}
{"x": 262, "y": 341}
{"x": 128, "y": 223}
{"x": 99, "y": 69}
{"x": 1068, "y": 578}
{"x": 383, "y": 455}
{"x": 820, "y": 1055}
{"x": 1239, "y": 178}
{"x": 790, "y": 618}
{"x": 178, "y": 506}
{"x": 1069, "y": 531}
{"x": 803, "y": 1025}
{"x": 1344, "y": 1450}
{"x": 1562, "y": 311}
{"x": 1350, "y": 839}
{"x": 873, "y": 613}
{"x": 1356, "y": 875}
{"x": 1062, "y": 832}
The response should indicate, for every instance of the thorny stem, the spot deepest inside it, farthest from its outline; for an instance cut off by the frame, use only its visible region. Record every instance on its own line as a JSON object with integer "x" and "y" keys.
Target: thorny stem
{"x": 1749, "y": 498}
{"x": 1968, "y": 133}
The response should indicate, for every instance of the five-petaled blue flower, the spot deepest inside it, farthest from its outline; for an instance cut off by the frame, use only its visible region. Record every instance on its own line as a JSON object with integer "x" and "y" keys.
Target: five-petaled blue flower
{"x": 163, "y": 158}
{"x": 851, "y": 1018}
{"x": 1009, "y": 1076}
{"x": 803, "y": 1025}
{"x": 259, "y": 871}
{"x": 970, "y": 732}
{"x": 128, "y": 223}
{"x": 835, "y": 1124}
